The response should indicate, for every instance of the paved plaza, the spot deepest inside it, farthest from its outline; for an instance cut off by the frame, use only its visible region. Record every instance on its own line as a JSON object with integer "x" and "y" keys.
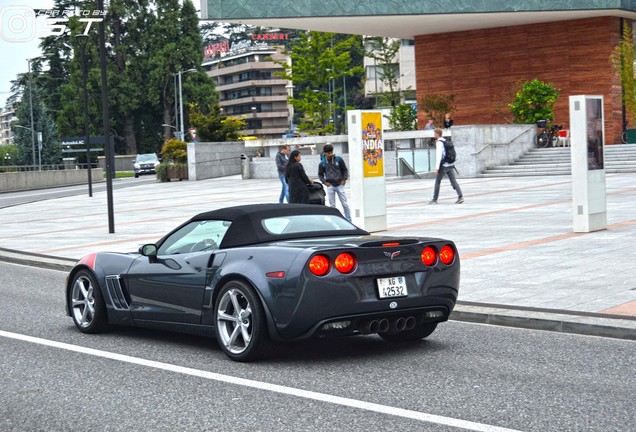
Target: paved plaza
{"x": 514, "y": 235}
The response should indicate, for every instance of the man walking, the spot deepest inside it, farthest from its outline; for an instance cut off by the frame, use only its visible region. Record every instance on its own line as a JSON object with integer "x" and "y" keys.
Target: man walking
{"x": 446, "y": 160}
{"x": 334, "y": 174}
{"x": 281, "y": 163}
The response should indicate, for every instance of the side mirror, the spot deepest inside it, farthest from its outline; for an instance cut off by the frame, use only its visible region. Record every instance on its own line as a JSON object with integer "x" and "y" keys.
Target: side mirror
{"x": 134, "y": 161}
{"x": 149, "y": 250}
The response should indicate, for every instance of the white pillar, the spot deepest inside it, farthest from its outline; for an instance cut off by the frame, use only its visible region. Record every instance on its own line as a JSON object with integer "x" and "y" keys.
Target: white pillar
{"x": 366, "y": 169}
{"x": 587, "y": 139}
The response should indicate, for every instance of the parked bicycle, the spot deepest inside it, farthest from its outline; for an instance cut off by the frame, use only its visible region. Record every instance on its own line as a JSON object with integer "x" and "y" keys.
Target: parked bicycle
{"x": 548, "y": 136}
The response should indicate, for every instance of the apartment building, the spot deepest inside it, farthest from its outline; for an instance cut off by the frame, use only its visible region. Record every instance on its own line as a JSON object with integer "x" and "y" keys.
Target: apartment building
{"x": 6, "y": 136}
{"x": 404, "y": 68}
{"x": 248, "y": 85}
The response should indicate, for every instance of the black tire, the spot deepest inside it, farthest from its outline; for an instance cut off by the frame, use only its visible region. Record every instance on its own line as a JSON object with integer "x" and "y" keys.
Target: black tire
{"x": 624, "y": 137}
{"x": 136, "y": 175}
{"x": 542, "y": 140}
{"x": 410, "y": 335}
{"x": 86, "y": 303}
{"x": 239, "y": 315}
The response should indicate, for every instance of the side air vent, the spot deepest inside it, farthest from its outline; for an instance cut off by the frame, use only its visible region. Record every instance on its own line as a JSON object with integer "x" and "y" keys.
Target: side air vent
{"x": 116, "y": 293}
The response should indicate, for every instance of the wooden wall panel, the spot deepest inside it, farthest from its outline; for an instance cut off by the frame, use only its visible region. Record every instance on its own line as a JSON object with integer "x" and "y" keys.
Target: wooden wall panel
{"x": 481, "y": 67}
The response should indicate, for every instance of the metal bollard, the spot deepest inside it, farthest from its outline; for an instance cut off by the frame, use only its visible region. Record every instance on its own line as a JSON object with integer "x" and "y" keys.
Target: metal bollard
{"x": 245, "y": 165}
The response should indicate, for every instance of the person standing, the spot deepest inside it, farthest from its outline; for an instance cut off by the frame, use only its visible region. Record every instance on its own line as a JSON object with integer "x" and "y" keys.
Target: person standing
{"x": 334, "y": 174}
{"x": 448, "y": 121}
{"x": 281, "y": 164}
{"x": 297, "y": 179}
{"x": 446, "y": 167}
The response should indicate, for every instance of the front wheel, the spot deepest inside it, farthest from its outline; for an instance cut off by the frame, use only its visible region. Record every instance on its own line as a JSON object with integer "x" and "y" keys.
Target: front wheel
{"x": 241, "y": 325}
{"x": 86, "y": 303}
{"x": 555, "y": 140}
{"x": 542, "y": 140}
{"x": 410, "y": 335}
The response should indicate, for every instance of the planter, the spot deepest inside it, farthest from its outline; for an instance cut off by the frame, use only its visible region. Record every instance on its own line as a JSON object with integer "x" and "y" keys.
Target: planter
{"x": 169, "y": 172}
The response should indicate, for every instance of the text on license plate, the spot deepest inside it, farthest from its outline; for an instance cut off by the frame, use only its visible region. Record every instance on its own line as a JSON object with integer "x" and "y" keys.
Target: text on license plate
{"x": 392, "y": 287}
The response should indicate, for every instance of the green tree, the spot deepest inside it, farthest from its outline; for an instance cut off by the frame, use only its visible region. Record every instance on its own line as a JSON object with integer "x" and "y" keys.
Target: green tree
{"x": 383, "y": 51}
{"x": 42, "y": 123}
{"x": 437, "y": 105}
{"x": 213, "y": 126}
{"x": 534, "y": 101}
{"x": 319, "y": 63}
{"x": 622, "y": 60}
{"x": 403, "y": 118}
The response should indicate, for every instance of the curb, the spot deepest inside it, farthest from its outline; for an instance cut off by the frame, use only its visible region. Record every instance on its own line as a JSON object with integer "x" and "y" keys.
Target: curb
{"x": 589, "y": 324}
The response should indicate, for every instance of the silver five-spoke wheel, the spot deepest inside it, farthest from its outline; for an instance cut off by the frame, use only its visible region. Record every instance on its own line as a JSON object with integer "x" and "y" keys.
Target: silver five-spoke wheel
{"x": 86, "y": 303}
{"x": 241, "y": 327}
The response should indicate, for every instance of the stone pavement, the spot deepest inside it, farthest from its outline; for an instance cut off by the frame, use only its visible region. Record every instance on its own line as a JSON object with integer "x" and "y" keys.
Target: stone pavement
{"x": 521, "y": 263}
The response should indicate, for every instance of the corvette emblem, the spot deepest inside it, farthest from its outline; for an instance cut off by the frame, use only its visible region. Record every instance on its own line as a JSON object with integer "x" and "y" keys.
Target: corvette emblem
{"x": 392, "y": 254}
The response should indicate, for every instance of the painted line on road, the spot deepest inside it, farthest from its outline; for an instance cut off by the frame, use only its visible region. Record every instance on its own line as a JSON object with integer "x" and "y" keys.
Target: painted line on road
{"x": 290, "y": 391}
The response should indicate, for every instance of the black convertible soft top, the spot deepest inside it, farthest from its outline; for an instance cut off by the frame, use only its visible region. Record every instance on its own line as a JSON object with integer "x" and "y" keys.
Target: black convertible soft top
{"x": 247, "y": 229}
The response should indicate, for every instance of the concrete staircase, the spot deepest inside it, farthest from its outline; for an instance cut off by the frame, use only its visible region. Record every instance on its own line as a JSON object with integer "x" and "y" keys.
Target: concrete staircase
{"x": 556, "y": 161}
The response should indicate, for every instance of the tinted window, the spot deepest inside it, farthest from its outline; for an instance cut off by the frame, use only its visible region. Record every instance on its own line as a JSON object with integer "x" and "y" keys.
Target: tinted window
{"x": 195, "y": 237}
{"x": 306, "y": 223}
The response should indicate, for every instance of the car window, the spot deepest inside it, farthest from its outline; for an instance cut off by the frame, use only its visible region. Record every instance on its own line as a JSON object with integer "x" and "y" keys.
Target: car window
{"x": 306, "y": 223}
{"x": 147, "y": 158}
{"x": 196, "y": 236}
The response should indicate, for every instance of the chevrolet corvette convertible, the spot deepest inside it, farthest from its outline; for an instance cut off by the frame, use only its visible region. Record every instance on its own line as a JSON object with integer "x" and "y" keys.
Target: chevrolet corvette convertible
{"x": 256, "y": 275}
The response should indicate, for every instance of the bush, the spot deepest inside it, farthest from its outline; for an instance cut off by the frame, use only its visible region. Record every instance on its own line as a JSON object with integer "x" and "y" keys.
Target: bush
{"x": 534, "y": 101}
{"x": 174, "y": 151}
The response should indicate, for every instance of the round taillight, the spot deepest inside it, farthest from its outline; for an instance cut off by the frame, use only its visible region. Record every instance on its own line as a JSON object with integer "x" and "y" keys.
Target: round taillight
{"x": 345, "y": 262}
{"x": 428, "y": 256}
{"x": 447, "y": 255}
{"x": 319, "y": 265}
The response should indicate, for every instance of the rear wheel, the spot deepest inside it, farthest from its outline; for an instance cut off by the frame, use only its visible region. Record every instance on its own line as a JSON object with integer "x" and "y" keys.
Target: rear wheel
{"x": 542, "y": 139}
{"x": 241, "y": 325}
{"x": 555, "y": 140}
{"x": 86, "y": 303}
{"x": 410, "y": 335}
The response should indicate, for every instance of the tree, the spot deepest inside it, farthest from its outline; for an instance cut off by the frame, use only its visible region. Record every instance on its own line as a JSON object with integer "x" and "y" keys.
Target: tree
{"x": 319, "y": 63}
{"x": 622, "y": 60}
{"x": 534, "y": 101}
{"x": 213, "y": 126}
{"x": 403, "y": 118}
{"x": 42, "y": 123}
{"x": 437, "y": 105}
{"x": 384, "y": 50}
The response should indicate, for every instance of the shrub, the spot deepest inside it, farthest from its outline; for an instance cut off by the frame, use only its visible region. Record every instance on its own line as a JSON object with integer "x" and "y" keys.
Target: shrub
{"x": 175, "y": 151}
{"x": 534, "y": 101}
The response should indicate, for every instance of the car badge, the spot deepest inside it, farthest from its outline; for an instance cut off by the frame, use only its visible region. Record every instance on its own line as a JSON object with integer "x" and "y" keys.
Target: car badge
{"x": 392, "y": 254}
{"x": 393, "y": 305}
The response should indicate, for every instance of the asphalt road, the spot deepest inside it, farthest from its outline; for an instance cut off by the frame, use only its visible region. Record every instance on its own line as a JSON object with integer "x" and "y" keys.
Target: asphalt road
{"x": 8, "y": 199}
{"x": 492, "y": 377}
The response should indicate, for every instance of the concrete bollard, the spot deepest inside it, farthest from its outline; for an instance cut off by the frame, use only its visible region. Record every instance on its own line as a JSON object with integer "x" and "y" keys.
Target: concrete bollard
{"x": 245, "y": 165}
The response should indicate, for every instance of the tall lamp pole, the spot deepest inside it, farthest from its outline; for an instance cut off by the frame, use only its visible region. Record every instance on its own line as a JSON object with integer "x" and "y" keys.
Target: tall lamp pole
{"x": 31, "y": 108}
{"x": 181, "y": 127}
{"x": 82, "y": 39}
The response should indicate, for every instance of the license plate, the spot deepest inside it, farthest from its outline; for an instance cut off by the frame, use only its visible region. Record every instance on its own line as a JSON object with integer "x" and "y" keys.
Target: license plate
{"x": 392, "y": 287}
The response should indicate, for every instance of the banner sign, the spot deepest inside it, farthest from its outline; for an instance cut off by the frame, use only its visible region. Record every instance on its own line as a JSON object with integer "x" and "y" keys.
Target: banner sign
{"x": 372, "y": 144}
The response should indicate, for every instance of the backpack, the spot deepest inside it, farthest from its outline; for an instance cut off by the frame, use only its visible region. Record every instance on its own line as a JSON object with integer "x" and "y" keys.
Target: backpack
{"x": 449, "y": 149}
{"x": 324, "y": 161}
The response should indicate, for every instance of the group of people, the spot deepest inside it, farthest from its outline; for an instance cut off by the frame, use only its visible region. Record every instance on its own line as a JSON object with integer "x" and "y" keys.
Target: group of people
{"x": 332, "y": 172}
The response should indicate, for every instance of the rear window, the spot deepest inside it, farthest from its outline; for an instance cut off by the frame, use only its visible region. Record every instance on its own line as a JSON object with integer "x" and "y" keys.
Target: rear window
{"x": 306, "y": 224}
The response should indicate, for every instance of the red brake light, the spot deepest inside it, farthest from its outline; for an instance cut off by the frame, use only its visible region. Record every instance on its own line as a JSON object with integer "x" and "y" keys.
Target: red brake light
{"x": 319, "y": 265}
{"x": 345, "y": 262}
{"x": 391, "y": 244}
{"x": 447, "y": 255}
{"x": 429, "y": 256}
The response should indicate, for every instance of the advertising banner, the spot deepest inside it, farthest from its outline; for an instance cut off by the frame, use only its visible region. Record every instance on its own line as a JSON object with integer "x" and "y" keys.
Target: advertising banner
{"x": 372, "y": 144}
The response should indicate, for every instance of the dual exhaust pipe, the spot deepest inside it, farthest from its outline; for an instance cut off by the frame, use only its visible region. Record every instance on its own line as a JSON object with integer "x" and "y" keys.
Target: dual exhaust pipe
{"x": 385, "y": 325}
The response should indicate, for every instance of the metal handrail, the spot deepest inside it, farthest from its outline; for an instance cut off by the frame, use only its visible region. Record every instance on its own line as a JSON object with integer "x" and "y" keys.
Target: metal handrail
{"x": 498, "y": 144}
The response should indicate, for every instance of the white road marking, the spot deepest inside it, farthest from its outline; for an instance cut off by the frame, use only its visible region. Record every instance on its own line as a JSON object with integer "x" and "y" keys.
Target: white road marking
{"x": 322, "y": 397}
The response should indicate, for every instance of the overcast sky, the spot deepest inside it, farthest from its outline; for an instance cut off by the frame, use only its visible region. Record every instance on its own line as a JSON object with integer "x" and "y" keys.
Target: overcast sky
{"x": 19, "y": 39}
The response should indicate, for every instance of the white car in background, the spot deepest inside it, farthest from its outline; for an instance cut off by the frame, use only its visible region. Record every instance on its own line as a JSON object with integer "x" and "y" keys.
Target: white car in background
{"x": 145, "y": 164}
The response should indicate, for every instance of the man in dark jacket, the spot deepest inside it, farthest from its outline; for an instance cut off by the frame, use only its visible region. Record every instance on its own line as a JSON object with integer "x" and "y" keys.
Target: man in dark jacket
{"x": 334, "y": 174}
{"x": 281, "y": 163}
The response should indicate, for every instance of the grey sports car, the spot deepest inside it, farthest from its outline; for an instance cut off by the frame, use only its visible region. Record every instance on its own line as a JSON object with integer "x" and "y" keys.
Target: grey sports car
{"x": 256, "y": 275}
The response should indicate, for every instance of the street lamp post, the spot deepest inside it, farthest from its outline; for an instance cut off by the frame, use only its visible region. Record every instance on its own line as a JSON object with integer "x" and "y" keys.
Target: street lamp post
{"x": 82, "y": 38}
{"x": 31, "y": 108}
{"x": 173, "y": 127}
{"x": 181, "y": 126}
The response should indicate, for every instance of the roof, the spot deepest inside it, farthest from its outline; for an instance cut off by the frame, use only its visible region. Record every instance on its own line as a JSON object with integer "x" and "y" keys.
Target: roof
{"x": 406, "y": 20}
{"x": 246, "y": 227}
